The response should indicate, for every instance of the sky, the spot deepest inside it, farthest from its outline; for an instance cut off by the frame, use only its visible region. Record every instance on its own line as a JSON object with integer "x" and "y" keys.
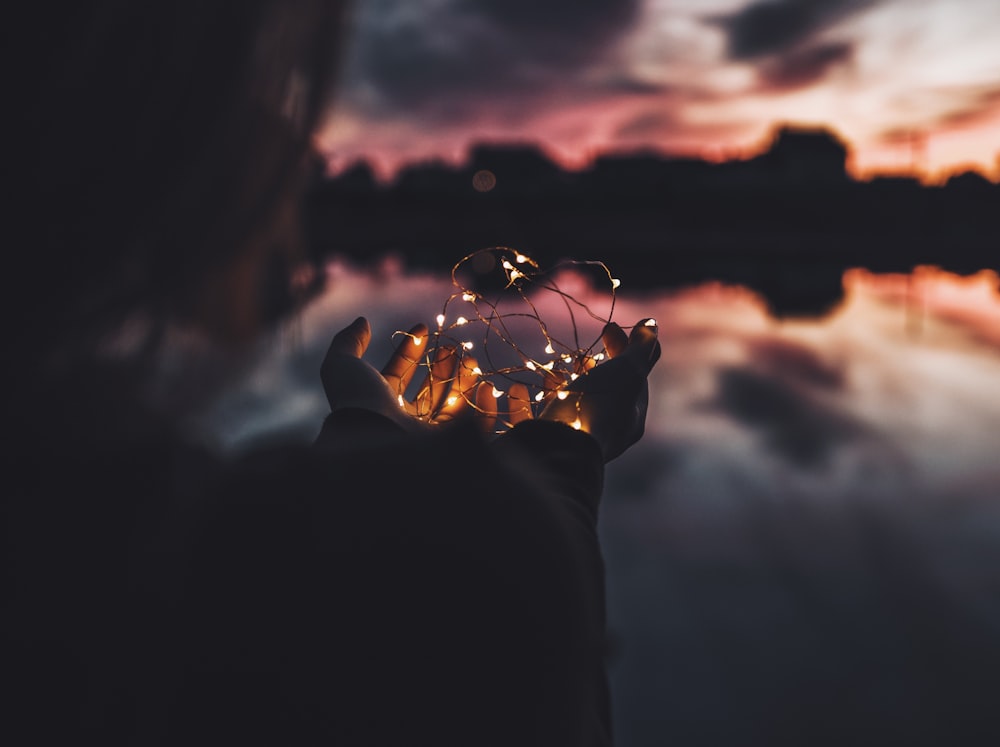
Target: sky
{"x": 906, "y": 82}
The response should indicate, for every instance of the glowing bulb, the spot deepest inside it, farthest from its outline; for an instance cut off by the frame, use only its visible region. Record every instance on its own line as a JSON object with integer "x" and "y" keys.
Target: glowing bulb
{"x": 548, "y": 366}
{"x": 468, "y": 296}
{"x": 451, "y": 400}
{"x": 507, "y": 265}
{"x": 574, "y": 377}
{"x": 539, "y": 397}
{"x": 530, "y": 365}
{"x": 650, "y": 322}
{"x": 497, "y": 393}
{"x": 515, "y": 274}
{"x": 477, "y": 371}
{"x": 402, "y": 402}
{"x": 521, "y": 259}
{"x": 615, "y": 283}
{"x": 549, "y": 349}
{"x": 461, "y": 320}
{"x": 418, "y": 340}
{"x": 599, "y": 357}
{"x": 577, "y": 424}
{"x": 567, "y": 358}
{"x": 440, "y": 319}
{"x": 563, "y": 394}
{"x": 467, "y": 345}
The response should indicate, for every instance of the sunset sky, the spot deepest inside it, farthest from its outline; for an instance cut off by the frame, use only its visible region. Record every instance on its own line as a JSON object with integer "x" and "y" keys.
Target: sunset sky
{"x": 904, "y": 81}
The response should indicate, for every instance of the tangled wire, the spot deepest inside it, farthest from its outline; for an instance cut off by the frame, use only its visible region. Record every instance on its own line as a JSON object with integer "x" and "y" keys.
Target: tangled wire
{"x": 483, "y": 323}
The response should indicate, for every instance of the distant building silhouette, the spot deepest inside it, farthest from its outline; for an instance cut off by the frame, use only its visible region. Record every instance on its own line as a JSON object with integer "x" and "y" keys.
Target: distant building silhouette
{"x": 517, "y": 168}
{"x": 813, "y": 155}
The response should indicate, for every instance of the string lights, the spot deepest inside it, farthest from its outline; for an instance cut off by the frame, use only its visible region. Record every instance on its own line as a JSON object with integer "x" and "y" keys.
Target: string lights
{"x": 483, "y": 324}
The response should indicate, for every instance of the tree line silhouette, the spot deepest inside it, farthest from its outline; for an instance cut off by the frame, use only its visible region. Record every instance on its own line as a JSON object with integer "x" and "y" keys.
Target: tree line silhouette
{"x": 786, "y": 223}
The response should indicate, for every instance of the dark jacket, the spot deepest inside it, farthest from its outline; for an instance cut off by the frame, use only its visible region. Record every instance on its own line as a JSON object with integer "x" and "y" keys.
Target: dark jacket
{"x": 377, "y": 588}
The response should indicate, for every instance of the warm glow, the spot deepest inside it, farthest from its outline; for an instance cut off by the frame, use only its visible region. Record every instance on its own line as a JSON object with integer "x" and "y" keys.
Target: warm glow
{"x": 562, "y": 394}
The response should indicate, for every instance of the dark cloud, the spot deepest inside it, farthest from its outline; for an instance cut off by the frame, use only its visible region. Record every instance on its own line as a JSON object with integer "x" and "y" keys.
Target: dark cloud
{"x": 803, "y": 67}
{"x": 779, "y": 26}
{"x": 635, "y": 86}
{"x": 418, "y": 53}
{"x": 555, "y": 28}
{"x": 794, "y": 424}
{"x": 792, "y": 361}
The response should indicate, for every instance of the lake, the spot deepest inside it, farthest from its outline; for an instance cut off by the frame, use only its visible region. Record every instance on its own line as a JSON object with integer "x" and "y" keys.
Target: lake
{"x": 805, "y": 546}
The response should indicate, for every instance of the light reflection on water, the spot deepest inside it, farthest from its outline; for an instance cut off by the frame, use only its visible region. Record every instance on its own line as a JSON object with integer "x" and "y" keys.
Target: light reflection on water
{"x": 795, "y": 475}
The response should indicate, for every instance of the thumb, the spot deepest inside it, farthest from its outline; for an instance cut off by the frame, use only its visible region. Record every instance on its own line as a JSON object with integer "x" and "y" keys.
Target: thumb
{"x": 353, "y": 339}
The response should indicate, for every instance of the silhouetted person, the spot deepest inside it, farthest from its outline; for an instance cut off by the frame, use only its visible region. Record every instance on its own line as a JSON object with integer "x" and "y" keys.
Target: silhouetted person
{"x": 396, "y": 583}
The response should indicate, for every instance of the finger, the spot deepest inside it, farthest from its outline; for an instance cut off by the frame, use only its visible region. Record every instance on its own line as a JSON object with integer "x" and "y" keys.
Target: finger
{"x": 486, "y": 406}
{"x": 437, "y": 382}
{"x": 643, "y": 343}
{"x": 404, "y": 362}
{"x": 463, "y": 390}
{"x": 553, "y": 377}
{"x": 518, "y": 403}
{"x": 442, "y": 374}
{"x": 615, "y": 340}
{"x": 353, "y": 339}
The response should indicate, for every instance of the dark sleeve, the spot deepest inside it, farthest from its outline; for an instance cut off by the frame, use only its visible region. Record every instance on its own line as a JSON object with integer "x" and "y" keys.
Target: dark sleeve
{"x": 387, "y": 589}
{"x": 568, "y": 469}
{"x": 571, "y": 460}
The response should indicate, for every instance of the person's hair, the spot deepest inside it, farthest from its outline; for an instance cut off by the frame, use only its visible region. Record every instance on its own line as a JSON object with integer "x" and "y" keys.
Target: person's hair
{"x": 155, "y": 144}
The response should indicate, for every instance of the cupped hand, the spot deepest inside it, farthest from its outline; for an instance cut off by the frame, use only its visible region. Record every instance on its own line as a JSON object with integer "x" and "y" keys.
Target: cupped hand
{"x": 448, "y": 387}
{"x": 609, "y": 401}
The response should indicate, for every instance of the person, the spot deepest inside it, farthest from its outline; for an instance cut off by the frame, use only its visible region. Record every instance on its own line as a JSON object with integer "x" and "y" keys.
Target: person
{"x": 398, "y": 581}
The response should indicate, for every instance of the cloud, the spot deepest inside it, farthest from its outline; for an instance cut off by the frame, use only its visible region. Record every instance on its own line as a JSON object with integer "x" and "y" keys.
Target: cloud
{"x": 795, "y": 362}
{"x": 979, "y": 105}
{"x": 793, "y": 424}
{"x": 779, "y": 26}
{"x": 422, "y": 54}
{"x": 646, "y": 125}
{"x": 804, "y": 67}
